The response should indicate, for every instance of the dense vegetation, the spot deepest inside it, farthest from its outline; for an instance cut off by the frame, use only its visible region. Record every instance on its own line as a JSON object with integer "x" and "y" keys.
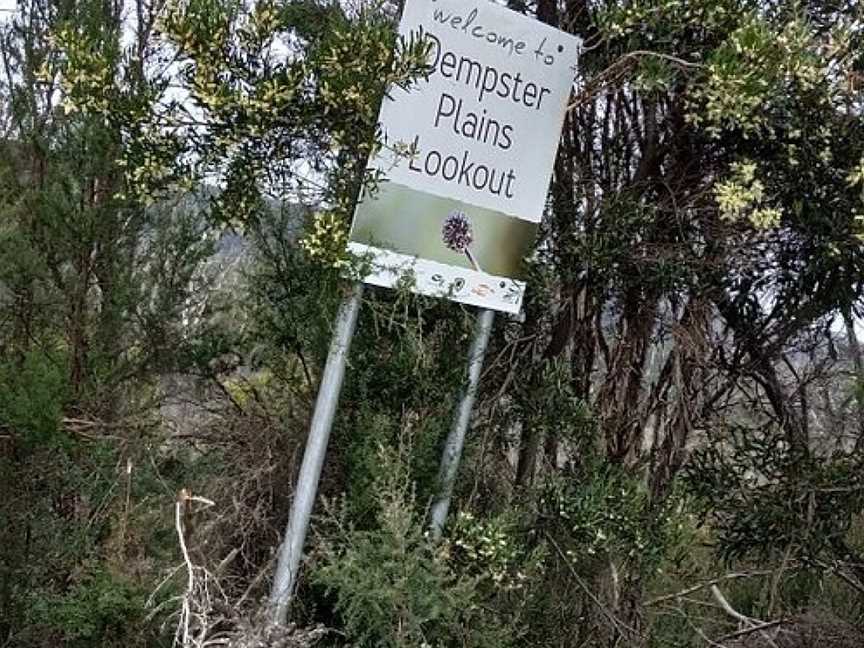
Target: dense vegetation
{"x": 668, "y": 450}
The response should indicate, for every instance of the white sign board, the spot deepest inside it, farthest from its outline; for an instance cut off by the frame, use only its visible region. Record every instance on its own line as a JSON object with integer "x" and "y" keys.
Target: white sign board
{"x": 461, "y": 210}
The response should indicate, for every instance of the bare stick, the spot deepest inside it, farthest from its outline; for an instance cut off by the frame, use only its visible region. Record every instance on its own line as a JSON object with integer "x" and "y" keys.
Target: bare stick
{"x": 746, "y": 631}
{"x": 715, "y": 581}
{"x": 182, "y": 498}
{"x": 735, "y": 614}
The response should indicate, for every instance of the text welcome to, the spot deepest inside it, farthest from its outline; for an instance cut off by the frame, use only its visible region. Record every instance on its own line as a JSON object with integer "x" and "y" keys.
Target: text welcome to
{"x": 492, "y": 90}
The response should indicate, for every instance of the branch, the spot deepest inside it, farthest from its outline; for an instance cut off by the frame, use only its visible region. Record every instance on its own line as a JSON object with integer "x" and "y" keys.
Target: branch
{"x": 710, "y": 583}
{"x": 179, "y": 505}
{"x": 617, "y": 70}
{"x": 184, "y": 497}
{"x": 851, "y": 582}
{"x": 747, "y": 631}
{"x": 616, "y": 622}
{"x": 755, "y": 624}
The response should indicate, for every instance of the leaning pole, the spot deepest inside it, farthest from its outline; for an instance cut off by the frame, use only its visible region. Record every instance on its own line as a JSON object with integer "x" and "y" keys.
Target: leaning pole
{"x": 452, "y": 455}
{"x": 291, "y": 550}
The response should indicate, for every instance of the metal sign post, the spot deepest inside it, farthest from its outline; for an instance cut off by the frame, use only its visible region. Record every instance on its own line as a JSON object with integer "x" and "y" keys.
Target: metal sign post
{"x": 462, "y": 417}
{"x": 291, "y": 550}
{"x": 459, "y": 214}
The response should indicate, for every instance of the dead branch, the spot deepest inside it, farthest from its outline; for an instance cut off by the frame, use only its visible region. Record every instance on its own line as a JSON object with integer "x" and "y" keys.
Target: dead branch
{"x": 700, "y": 586}
{"x": 755, "y": 625}
{"x": 618, "y": 71}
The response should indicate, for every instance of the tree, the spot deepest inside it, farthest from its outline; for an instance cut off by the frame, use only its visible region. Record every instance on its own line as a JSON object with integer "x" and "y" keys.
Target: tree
{"x": 94, "y": 286}
{"x": 702, "y": 221}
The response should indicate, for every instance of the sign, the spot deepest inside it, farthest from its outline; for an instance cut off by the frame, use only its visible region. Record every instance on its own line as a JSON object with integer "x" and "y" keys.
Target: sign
{"x": 461, "y": 209}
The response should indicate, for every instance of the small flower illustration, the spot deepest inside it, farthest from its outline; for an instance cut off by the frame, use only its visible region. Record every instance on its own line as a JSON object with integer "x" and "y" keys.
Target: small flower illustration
{"x": 456, "y": 233}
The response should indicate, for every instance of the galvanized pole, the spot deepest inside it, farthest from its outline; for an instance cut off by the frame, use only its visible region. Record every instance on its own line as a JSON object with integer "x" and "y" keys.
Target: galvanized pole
{"x": 291, "y": 549}
{"x": 462, "y": 417}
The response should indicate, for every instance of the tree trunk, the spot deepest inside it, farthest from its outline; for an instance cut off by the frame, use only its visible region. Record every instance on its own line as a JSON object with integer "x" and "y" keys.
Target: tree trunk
{"x": 858, "y": 363}
{"x": 531, "y": 439}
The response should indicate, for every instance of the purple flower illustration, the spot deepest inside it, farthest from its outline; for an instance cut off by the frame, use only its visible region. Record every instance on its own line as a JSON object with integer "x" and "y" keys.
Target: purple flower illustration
{"x": 457, "y": 234}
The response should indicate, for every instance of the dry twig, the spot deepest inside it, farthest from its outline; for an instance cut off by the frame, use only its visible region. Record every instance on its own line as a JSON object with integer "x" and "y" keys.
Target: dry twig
{"x": 754, "y": 625}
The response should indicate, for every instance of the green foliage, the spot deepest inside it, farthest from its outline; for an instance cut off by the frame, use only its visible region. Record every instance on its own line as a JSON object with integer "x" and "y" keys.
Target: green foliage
{"x": 604, "y": 513}
{"x": 96, "y": 610}
{"x": 491, "y": 551}
{"x": 393, "y": 588}
{"x": 553, "y": 406}
{"x": 407, "y": 362}
{"x": 749, "y": 69}
{"x": 763, "y": 500}
{"x": 33, "y": 393}
{"x": 743, "y": 192}
{"x": 318, "y": 103}
{"x": 77, "y": 565}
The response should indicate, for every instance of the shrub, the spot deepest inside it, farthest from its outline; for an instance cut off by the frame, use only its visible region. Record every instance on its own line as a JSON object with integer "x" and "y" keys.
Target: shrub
{"x": 98, "y": 610}
{"x": 393, "y": 587}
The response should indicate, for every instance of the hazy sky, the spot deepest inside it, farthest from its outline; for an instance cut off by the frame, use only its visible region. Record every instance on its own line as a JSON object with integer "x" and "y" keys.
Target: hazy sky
{"x": 6, "y": 6}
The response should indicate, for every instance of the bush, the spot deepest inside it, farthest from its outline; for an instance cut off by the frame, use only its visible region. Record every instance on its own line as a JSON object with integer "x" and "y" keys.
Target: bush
{"x": 32, "y": 395}
{"x": 98, "y": 610}
{"x": 393, "y": 587}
